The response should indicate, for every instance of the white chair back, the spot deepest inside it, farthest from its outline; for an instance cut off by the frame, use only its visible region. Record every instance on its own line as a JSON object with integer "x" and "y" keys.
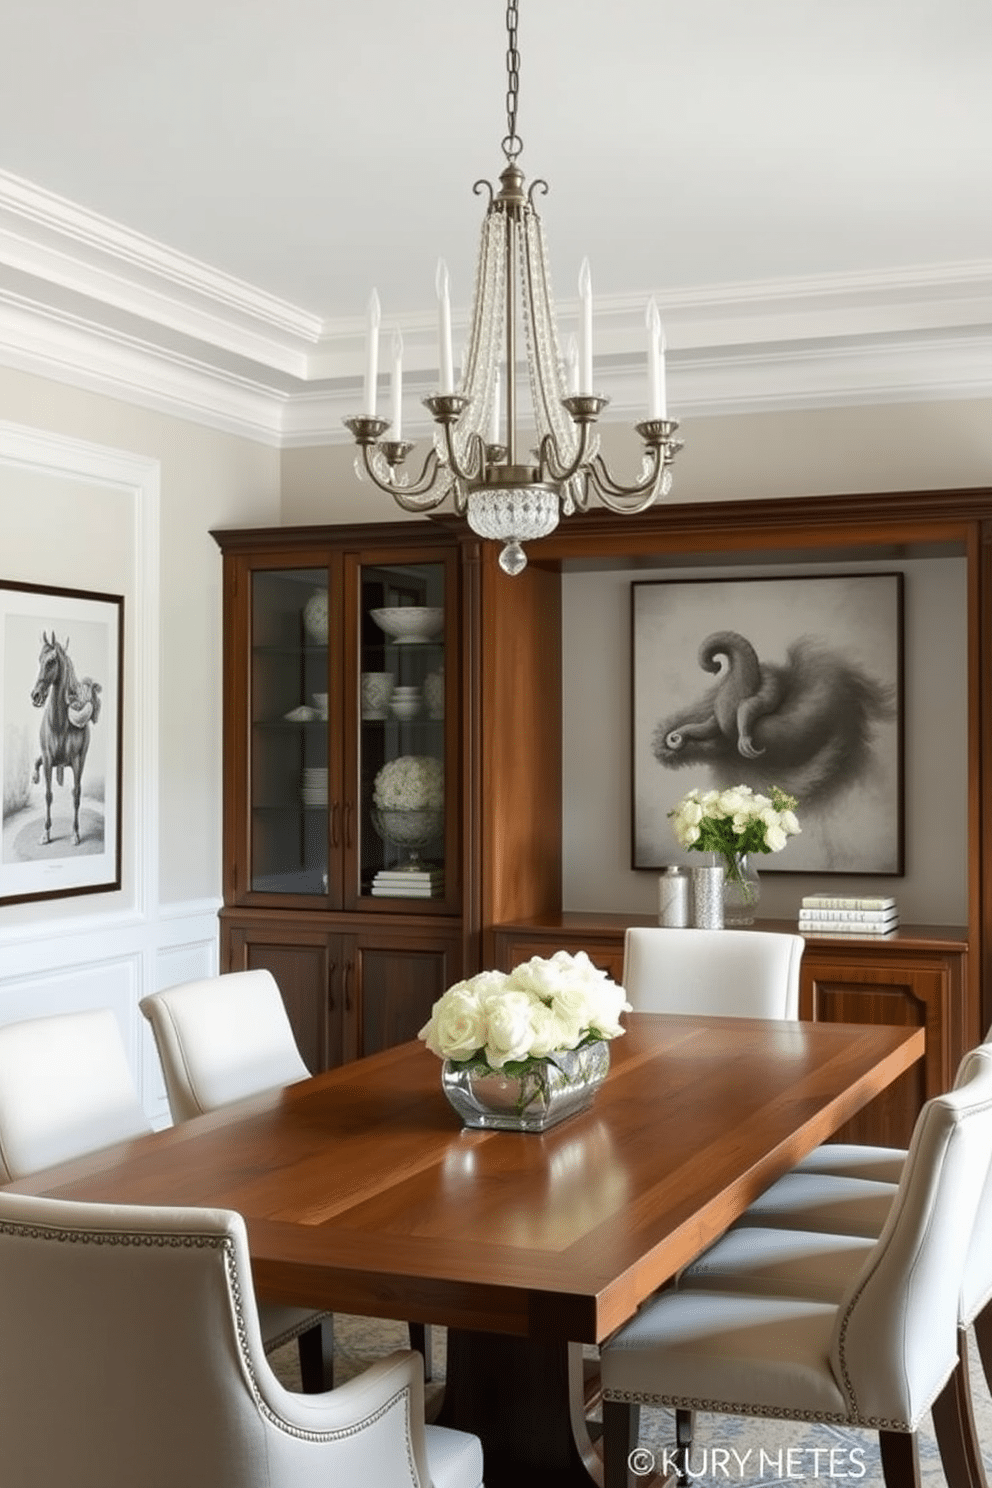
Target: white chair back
{"x": 65, "y": 1090}
{"x": 221, "y": 1039}
{"x": 733, "y": 973}
{"x": 159, "y": 1377}
{"x": 895, "y": 1340}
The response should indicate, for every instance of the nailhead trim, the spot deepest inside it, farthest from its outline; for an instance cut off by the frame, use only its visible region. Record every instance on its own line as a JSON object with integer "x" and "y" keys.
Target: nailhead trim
{"x": 129, "y": 1238}
{"x": 734, "y": 1408}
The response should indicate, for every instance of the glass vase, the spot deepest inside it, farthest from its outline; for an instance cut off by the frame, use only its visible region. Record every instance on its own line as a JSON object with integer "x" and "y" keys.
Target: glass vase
{"x": 741, "y": 889}
{"x": 543, "y": 1094}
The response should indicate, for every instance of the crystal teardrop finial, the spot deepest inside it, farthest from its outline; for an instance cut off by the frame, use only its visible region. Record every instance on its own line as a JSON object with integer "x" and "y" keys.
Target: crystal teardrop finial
{"x": 513, "y": 559}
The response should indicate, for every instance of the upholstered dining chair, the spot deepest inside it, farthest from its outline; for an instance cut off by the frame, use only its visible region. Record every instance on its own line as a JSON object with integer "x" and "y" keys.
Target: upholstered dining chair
{"x": 803, "y": 1262}
{"x": 219, "y": 1040}
{"x": 65, "y": 1090}
{"x": 839, "y": 1187}
{"x": 734, "y": 973}
{"x": 160, "y": 1377}
{"x": 874, "y": 1346}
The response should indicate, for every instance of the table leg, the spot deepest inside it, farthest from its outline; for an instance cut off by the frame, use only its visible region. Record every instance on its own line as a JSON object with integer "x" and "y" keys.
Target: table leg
{"x": 524, "y": 1399}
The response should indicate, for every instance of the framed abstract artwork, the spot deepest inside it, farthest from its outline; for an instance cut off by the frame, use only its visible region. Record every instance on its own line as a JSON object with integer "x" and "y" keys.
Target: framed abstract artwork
{"x": 61, "y": 664}
{"x": 795, "y": 682}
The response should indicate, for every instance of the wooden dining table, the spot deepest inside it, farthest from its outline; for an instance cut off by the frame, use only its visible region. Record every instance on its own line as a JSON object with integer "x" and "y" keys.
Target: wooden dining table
{"x": 363, "y": 1193}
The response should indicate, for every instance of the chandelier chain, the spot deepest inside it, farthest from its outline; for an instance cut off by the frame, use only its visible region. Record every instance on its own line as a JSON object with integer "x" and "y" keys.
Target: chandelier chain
{"x": 513, "y": 144}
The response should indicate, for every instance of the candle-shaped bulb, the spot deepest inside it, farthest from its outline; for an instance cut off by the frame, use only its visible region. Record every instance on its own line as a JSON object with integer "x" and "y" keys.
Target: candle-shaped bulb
{"x": 573, "y": 365}
{"x": 585, "y": 329}
{"x": 444, "y": 328}
{"x": 373, "y": 319}
{"x": 396, "y": 430}
{"x": 656, "y": 362}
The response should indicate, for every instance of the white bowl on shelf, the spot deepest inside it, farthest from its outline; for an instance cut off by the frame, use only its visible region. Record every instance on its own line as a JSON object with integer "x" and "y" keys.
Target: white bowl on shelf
{"x": 409, "y": 625}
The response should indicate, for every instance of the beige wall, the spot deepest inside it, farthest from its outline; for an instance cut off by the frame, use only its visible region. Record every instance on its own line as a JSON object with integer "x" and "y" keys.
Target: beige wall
{"x": 830, "y": 451}
{"x": 597, "y": 747}
{"x": 208, "y": 480}
{"x": 320, "y": 485}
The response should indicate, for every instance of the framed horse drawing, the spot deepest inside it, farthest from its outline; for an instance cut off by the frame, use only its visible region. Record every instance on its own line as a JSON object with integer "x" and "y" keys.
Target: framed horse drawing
{"x": 61, "y": 731}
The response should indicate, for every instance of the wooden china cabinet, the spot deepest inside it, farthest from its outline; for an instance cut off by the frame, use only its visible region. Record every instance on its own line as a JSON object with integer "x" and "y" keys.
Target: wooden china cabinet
{"x": 343, "y": 863}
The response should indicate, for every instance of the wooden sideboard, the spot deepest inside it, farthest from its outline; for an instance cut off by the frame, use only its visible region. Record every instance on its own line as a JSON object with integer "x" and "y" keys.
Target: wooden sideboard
{"x": 916, "y": 977}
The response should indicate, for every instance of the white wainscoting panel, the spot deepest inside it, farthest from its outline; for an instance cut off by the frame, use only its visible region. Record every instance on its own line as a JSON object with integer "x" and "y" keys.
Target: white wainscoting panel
{"x": 114, "y": 968}
{"x": 104, "y": 950}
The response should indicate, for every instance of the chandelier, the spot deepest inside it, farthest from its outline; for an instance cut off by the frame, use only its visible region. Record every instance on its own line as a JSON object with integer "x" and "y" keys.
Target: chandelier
{"x": 475, "y": 458}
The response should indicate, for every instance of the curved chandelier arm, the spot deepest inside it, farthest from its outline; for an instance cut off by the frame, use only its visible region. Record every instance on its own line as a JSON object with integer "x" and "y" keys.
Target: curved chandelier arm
{"x": 660, "y": 449}
{"x": 550, "y": 455}
{"x": 446, "y": 409}
{"x": 422, "y": 494}
{"x": 389, "y": 455}
{"x": 634, "y": 498}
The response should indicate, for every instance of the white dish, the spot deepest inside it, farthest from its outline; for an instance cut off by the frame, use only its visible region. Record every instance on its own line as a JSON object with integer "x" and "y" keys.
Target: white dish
{"x": 409, "y": 624}
{"x": 405, "y": 707}
{"x": 301, "y": 715}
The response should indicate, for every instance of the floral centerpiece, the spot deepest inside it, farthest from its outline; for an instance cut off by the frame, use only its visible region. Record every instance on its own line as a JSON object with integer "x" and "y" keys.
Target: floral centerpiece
{"x": 414, "y": 782}
{"x": 525, "y": 1048}
{"x": 735, "y": 823}
{"x": 408, "y": 802}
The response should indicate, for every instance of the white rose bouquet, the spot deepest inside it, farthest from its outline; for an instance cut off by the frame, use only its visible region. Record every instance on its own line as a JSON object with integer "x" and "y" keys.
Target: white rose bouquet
{"x": 515, "y": 1021}
{"x": 414, "y": 782}
{"x": 733, "y": 823}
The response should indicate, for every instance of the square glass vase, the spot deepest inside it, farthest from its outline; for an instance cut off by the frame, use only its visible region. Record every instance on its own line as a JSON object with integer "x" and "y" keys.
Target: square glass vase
{"x": 548, "y": 1091}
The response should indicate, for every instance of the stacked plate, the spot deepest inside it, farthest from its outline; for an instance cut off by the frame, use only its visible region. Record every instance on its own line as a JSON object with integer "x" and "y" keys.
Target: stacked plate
{"x": 314, "y": 790}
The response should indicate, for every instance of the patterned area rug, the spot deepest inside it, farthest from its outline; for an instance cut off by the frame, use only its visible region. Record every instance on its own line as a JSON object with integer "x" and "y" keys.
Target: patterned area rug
{"x": 727, "y": 1449}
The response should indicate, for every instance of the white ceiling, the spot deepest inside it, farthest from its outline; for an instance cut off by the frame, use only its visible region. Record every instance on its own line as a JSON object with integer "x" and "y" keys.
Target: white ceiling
{"x": 196, "y": 199}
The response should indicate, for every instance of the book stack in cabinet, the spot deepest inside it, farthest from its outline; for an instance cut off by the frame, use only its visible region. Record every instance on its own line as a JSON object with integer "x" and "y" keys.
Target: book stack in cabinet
{"x": 826, "y": 914}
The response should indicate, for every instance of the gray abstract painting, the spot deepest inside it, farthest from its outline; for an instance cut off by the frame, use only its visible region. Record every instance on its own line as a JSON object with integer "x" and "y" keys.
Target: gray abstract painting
{"x": 790, "y": 682}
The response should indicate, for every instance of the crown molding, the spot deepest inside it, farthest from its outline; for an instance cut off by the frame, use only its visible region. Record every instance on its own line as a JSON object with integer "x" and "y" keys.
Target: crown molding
{"x": 88, "y": 302}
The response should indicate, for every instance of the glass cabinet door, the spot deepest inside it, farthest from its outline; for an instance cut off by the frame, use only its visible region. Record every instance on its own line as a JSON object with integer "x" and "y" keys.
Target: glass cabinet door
{"x": 402, "y": 731}
{"x": 289, "y": 802}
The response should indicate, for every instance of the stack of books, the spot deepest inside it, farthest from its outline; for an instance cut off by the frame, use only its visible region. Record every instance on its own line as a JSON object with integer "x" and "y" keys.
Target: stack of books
{"x": 408, "y": 883}
{"x": 822, "y": 914}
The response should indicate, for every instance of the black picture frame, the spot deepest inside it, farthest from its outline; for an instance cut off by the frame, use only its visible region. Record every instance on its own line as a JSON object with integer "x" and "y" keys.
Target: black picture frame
{"x": 810, "y": 701}
{"x": 61, "y": 710}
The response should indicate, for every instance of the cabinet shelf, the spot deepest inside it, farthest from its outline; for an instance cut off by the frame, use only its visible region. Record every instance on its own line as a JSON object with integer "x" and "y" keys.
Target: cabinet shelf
{"x": 290, "y": 725}
{"x": 290, "y": 649}
{"x": 283, "y": 806}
